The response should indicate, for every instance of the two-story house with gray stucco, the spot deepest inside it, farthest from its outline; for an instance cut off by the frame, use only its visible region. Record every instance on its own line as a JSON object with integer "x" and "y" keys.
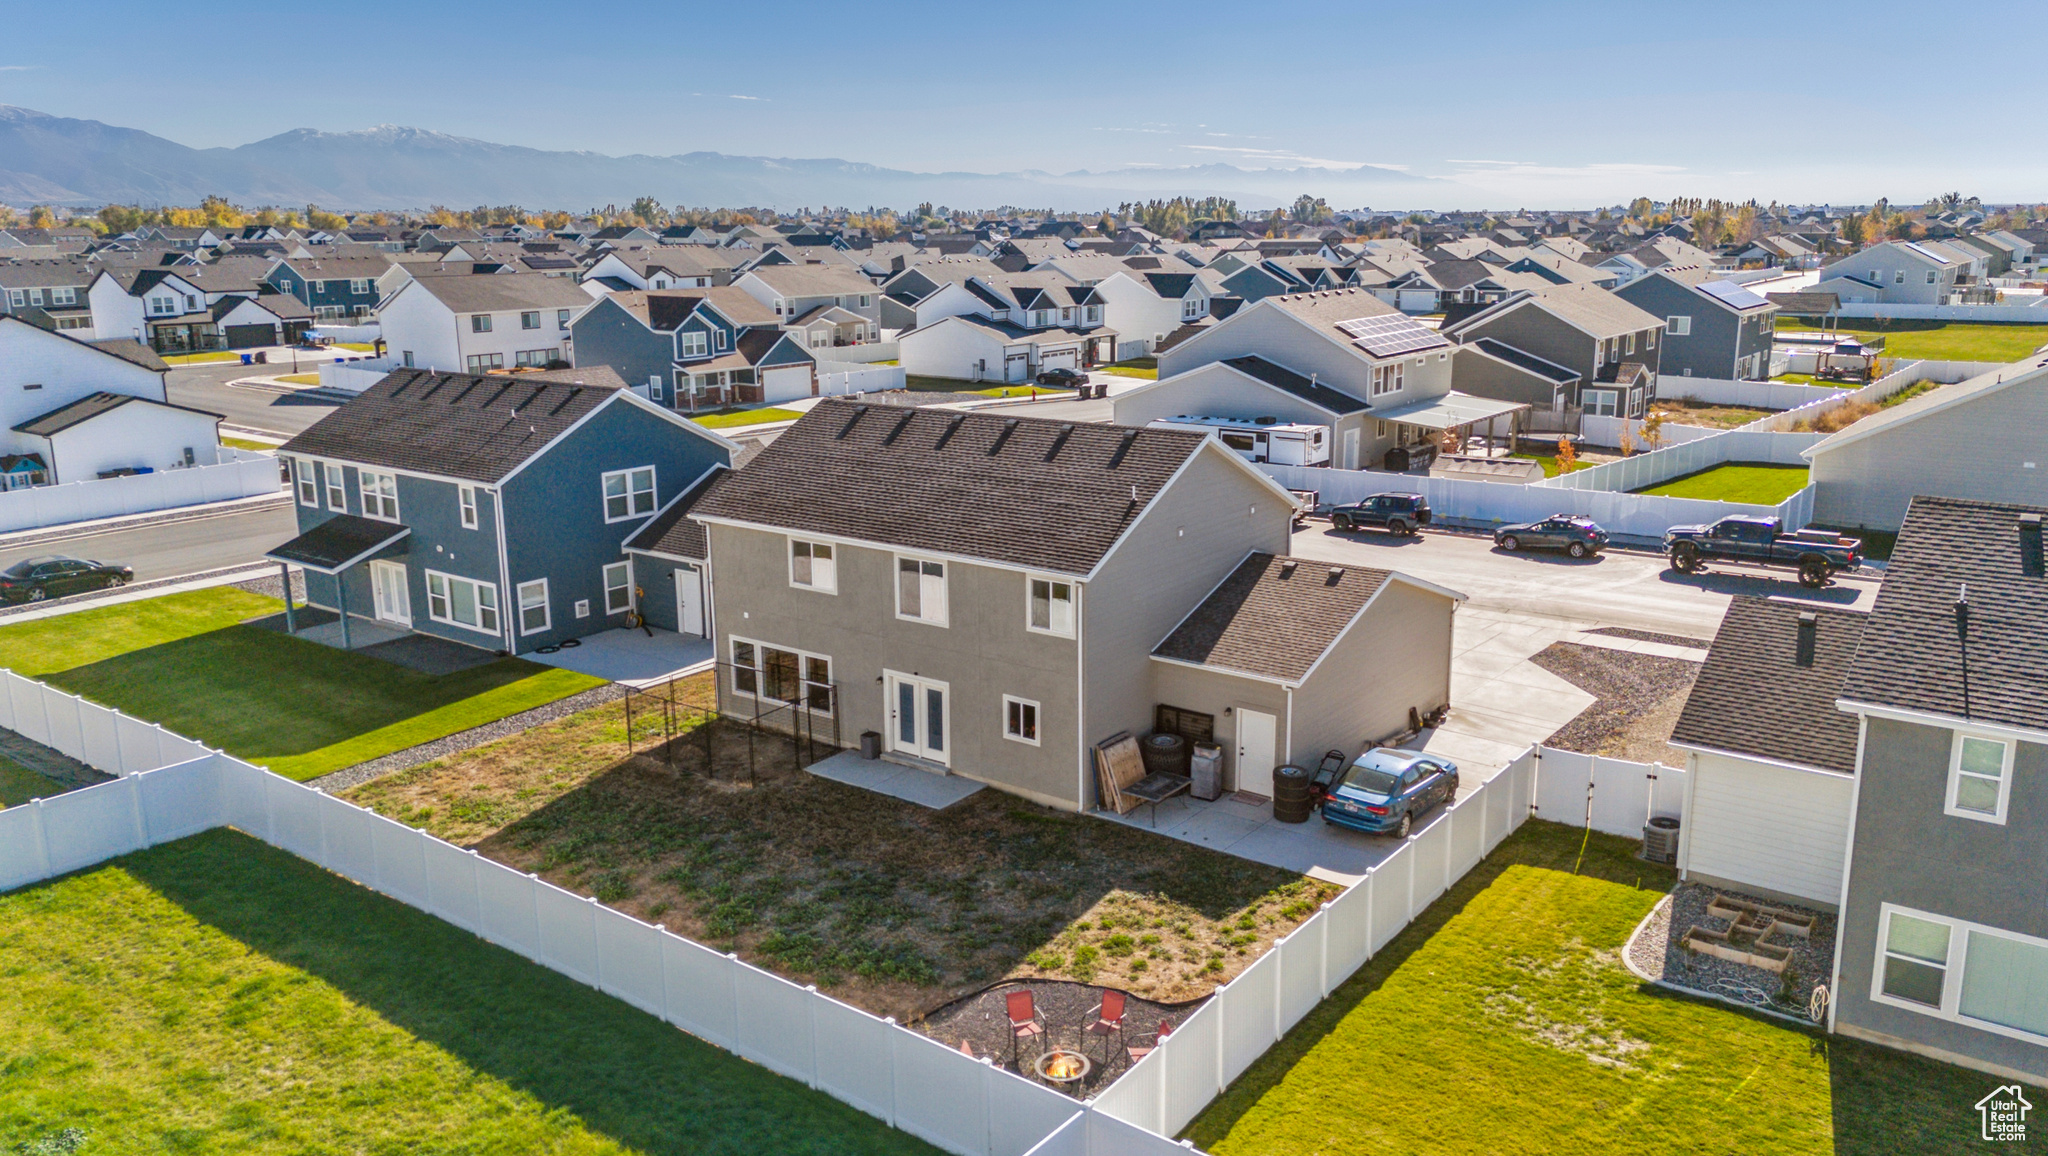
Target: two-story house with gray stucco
{"x": 486, "y": 509}
{"x": 1943, "y": 943}
{"x": 994, "y": 596}
{"x": 1712, "y": 326}
{"x": 687, "y": 349}
{"x": 1609, "y": 345}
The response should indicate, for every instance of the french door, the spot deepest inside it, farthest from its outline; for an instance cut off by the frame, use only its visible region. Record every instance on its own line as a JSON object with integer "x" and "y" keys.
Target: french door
{"x": 920, "y": 717}
{"x": 387, "y": 586}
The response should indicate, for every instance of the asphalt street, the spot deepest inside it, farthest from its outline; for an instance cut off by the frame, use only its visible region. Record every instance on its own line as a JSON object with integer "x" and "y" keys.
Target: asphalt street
{"x": 169, "y": 549}
{"x": 206, "y": 386}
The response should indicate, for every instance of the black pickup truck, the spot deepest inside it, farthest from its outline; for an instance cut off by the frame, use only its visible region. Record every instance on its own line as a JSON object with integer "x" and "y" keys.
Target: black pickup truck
{"x": 1819, "y": 554}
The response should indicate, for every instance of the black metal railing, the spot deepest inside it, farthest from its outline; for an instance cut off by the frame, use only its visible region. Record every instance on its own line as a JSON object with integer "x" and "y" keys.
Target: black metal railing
{"x": 663, "y": 720}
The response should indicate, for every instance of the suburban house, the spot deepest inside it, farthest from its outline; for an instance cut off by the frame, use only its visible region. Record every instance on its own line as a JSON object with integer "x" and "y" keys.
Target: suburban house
{"x": 188, "y": 308}
{"x": 681, "y": 266}
{"x": 50, "y": 289}
{"x": 76, "y": 410}
{"x": 993, "y": 596}
{"x": 1979, "y": 439}
{"x": 490, "y": 510}
{"x": 1144, "y": 307}
{"x": 797, "y": 294}
{"x": 335, "y": 288}
{"x": 1610, "y": 344}
{"x": 689, "y": 348}
{"x": 1897, "y": 273}
{"x": 1010, "y": 327}
{"x": 1943, "y": 942}
{"x": 481, "y": 321}
{"x": 1649, "y": 257}
{"x": 1712, "y": 326}
{"x": 1343, "y": 358}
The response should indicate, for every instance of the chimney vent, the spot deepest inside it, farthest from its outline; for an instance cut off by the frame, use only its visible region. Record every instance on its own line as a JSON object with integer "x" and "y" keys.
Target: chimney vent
{"x": 1809, "y": 632}
{"x": 2031, "y": 562}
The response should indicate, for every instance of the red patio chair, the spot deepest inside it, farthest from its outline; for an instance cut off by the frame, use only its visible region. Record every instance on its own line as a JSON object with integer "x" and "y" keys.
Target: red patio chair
{"x": 1140, "y": 1051}
{"x": 1024, "y": 1021}
{"x": 1107, "y": 1019}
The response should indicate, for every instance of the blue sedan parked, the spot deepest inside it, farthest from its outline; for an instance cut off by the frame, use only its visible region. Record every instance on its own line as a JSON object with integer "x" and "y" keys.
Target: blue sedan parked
{"x": 1383, "y": 790}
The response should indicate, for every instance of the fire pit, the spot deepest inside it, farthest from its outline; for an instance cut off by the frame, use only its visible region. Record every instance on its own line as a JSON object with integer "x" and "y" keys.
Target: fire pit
{"x": 1060, "y": 1066}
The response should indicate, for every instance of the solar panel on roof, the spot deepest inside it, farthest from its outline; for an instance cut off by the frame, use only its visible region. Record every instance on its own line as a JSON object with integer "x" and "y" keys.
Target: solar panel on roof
{"x": 1391, "y": 335}
{"x": 1732, "y": 295}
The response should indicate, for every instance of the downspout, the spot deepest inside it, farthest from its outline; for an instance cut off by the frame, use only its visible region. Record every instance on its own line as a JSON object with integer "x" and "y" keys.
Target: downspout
{"x": 506, "y": 610}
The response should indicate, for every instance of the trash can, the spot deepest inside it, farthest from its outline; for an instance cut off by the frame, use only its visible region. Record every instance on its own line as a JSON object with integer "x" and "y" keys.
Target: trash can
{"x": 262, "y": 357}
{"x": 1206, "y": 767}
{"x": 871, "y": 744}
{"x": 248, "y": 359}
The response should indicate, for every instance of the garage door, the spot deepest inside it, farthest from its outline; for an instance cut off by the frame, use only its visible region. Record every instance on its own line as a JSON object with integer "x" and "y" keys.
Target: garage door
{"x": 249, "y": 336}
{"x": 1069, "y": 358}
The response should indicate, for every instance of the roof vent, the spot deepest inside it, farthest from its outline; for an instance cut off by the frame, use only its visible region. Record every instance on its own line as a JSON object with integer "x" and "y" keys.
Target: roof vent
{"x": 2031, "y": 561}
{"x": 1336, "y": 572}
{"x": 1287, "y": 566}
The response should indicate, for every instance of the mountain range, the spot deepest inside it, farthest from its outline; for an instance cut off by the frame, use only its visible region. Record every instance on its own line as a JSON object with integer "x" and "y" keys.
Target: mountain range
{"x": 55, "y": 160}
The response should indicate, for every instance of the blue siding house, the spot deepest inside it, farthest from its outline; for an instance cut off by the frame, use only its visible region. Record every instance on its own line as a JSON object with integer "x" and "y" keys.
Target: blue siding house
{"x": 334, "y": 288}
{"x": 491, "y": 510}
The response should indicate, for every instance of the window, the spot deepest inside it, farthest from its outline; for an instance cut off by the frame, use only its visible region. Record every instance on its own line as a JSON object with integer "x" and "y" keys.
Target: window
{"x": 485, "y": 362}
{"x": 812, "y": 566}
{"x": 1020, "y": 720}
{"x": 1387, "y": 378}
{"x": 380, "y": 495}
{"x": 337, "y": 491}
{"x": 1982, "y": 976}
{"x": 691, "y": 344}
{"x": 618, "y": 588}
{"x": 1649, "y": 339}
{"x": 64, "y": 295}
{"x": 561, "y": 318}
{"x": 774, "y": 674}
{"x": 1678, "y": 326}
{"x": 1932, "y": 276}
{"x": 533, "y": 606}
{"x": 866, "y": 300}
{"x": 535, "y": 358}
{"x": 1599, "y": 402}
{"x": 311, "y": 286}
{"x": 466, "y": 496}
{"x": 1628, "y": 344}
{"x": 309, "y": 487}
{"x": 17, "y": 298}
{"x": 479, "y": 323}
{"x": 628, "y": 493}
{"x": 1979, "y": 777}
{"x": 163, "y": 306}
{"x": 462, "y": 602}
{"x": 407, "y": 357}
{"x": 1052, "y": 607}
{"x": 358, "y": 286}
{"x": 921, "y": 590}
{"x": 719, "y": 340}
{"x": 530, "y": 319}
{"x": 1899, "y": 278}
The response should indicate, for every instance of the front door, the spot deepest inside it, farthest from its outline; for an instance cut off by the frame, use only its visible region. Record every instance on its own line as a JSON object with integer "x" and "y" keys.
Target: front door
{"x": 920, "y": 717}
{"x": 689, "y": 601}
{"x": 387, "y": 587}
{"x": 1257, "y": 737}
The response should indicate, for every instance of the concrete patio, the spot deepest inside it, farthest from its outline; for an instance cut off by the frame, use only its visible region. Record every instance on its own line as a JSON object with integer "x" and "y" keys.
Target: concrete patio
{"x": 633, "y": 657}
{"x": 896, "y": 780}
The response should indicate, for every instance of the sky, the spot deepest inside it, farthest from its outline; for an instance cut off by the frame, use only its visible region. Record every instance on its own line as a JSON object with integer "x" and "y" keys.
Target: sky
{"x": 1506, "y": 104}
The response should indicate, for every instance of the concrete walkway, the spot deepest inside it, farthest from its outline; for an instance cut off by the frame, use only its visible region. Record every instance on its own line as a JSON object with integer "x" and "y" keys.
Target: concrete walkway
{"x": 633, "y": 657}
{"x": 911, "y": 784}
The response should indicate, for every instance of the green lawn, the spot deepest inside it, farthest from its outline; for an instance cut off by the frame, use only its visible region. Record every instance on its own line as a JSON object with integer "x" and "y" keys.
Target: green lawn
{"x": 727, "y": 418}
{"x": 246, "y": 444}
{"x": 300, "y": 708}
{"x": 358, "y": 346}
{"x": 215, "y": 995}
{"x": 301, "y": 378}
{"x": 18, "y": 785}
{"x": 1941, "y": 340}
{"x": 1757, "y": 484}
{"x": 1146, "y": 367}
{"x": 200, "y": 358}
{"x": 1502, "y": 1021}
{"x": 1549, "y": 463}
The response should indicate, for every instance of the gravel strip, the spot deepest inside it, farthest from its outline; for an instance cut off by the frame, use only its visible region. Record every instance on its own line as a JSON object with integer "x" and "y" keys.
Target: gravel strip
{"x": 1656, "y": 952}
{"x": 983, "y": 1022}
{"x": 1635, "y": 635}
{"x": 506, "y": 727}
{"x": 271, "y": 586}
{"x": 1637, "y": 699}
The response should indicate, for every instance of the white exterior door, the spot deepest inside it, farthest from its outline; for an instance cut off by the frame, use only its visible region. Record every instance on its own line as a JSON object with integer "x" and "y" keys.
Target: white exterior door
{"x": 920, "y": 717}
{"x": 1257, "y": 736}
{"x": 690, "y": 602}
{"x": 1351, "y": 449}
{"x": 387, "y": 587}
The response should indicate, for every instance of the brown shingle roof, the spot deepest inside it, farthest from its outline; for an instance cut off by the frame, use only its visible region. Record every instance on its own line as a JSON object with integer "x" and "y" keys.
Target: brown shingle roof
{"x": 1020, "y": 491}
{"x": 1769, "y": 685}
{"x": 1273, "y": 617}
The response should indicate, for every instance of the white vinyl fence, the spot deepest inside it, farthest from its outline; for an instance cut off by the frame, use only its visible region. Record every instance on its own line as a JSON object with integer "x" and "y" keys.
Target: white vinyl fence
{"x": 840, "y": 377}
{"x": 2031, "y": 310}
{"x": 1595, "y": 430}
{"x": 353, "y": 334}
{"x": 100, "y": 737}
{"x": 1676, "y": 461}
{"x": 238, "y": 474}
{"x": 1754, "y": 394}
{"x": 1615, "y": 796}
{"x": 355, "y": 376}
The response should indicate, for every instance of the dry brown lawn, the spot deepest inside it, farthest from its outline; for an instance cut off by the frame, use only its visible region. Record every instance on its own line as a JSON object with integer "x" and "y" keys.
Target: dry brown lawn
{"x": 890, "y": 906}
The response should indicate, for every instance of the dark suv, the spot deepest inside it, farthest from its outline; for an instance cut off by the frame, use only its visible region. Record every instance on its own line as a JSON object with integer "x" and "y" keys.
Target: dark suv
{"x": 1399, "y": 514}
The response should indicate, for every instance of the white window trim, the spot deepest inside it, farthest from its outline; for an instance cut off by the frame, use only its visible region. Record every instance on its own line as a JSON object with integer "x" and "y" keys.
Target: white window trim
{"x": 1955, "y": 772}
{"x": 653, "y": 492}
{"x": 803, "y": 658}
{"x": 364, "y": 480}
{"x": 693, "y": 343}
{"x": 1678, "y": 326}
{"x": 1037, "y": 721}
{"x": 896, "y": 588}
{"x": 427, "y": 581}
{"x": 337, "y": 487}
{"x": 465, "y": 497}
{"x": 308, "y": 485}
{"x": 831, "y": 587}
{"x": 1952, "y": 974}
{"x": 625, "y": 569}
{"x": 1073, "y": 604}
{"x": 547, "y": 608}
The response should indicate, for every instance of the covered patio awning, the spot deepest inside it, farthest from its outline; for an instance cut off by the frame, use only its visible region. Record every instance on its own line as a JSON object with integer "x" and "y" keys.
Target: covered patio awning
{"x": 1450, "y": 411}
{"x": 338, "y": 543}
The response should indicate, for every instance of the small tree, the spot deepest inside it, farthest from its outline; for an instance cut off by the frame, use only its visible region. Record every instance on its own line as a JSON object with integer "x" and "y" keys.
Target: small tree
{"x": 1653, "y": 430}
{"x": 1628, "y": 443}
{"x": 1567, "y": 455}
